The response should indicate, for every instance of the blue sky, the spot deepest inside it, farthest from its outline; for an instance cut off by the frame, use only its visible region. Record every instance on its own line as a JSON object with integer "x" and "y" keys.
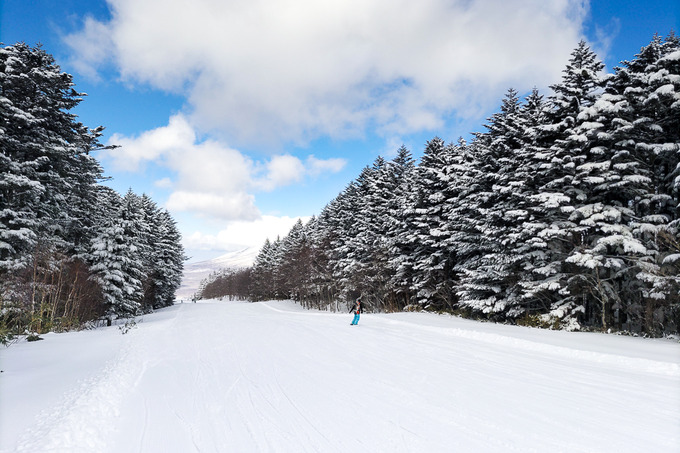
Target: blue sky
{"x": 240, "y": 116}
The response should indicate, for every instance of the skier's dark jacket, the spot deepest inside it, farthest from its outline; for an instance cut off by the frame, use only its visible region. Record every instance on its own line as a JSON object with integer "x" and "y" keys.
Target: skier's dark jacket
{"x": 354, "y": 308}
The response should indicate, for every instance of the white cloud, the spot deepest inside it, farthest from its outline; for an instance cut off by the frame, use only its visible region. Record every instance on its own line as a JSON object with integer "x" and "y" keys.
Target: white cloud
{"x": 282, "y": 171}
{"x": 241, "y": 234}
{"x": 315, "y": 166}
{"x": 209, "y": 178}
{"x": 163, "y": 183}
{"x": 151, "y": 145}
{"x": 293, "y": 70}
{"x": 285, "y": 169}
{"x": 235, "y": 205}
{"x": 94, "y": 45}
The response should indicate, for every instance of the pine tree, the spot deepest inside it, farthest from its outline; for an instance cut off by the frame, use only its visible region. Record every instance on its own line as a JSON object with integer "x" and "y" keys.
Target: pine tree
{"x": 292, "y": 269}
{"x": 44, "y": 153}
{"x": 631, "y": 148}
{"x": 487, "y": 282}
{"x": 400, "y": 242}
{"x": 432, "y": 255}
{"x": 321, "y": 237}
{"x": 462, "y": 217}
{"x": 379, "y": 187}
{"x": 279, "y": 284}
{"x": 522, "y": 233}
{"x": 263, "y": 279}
{"x": 559, "y": 191}
{"x": 345, "y": 214}
{"x": 114, "y": 260}
{"x": 164, "y": 256}
{"x": 171, "y": 258}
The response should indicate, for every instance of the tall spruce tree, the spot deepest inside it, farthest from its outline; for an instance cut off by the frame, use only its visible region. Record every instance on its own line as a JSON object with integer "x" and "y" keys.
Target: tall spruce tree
{"x": 432, "y": 255}
{"x": 487, "y": 282}
{"x": 294, "y": 258}
{"x": 400, "y": 214}
{"x": 169, "y": 259}
{"x": 560, "y": 192}
{"x": 44, "y": 156}
{"x": 632, "y": 147}
{"x": 263, "y": 273}
{"x": 346, "y": 212}
{"x": 114, "y": 260}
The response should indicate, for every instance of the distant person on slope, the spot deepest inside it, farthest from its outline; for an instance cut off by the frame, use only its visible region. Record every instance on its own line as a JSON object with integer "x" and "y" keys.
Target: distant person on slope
{"x": 357, "y": 309}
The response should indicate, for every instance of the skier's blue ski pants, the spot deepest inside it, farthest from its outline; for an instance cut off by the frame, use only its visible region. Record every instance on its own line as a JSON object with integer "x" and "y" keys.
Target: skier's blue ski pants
{"x": 356, "y": 319}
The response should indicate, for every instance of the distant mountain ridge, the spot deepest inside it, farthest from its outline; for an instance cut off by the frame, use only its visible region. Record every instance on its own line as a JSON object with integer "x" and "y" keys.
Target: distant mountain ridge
{"x": 194, "y": 273}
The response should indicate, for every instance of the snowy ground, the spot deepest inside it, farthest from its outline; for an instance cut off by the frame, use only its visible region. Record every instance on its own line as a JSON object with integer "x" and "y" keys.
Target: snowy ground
{"x": 269, "y": 377}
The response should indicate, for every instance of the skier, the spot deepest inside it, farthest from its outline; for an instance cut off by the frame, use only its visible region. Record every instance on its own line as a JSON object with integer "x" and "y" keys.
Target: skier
{"x": 357, "y": 309}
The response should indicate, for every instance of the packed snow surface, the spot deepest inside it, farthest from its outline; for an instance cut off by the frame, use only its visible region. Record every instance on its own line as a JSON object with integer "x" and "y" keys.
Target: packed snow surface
{"x": 271, "y": 377}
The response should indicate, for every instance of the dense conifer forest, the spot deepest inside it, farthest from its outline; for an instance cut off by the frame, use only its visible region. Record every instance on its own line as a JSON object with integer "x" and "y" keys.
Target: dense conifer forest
{"x": 563, "y": 213}
{"x": 71, "y": 249}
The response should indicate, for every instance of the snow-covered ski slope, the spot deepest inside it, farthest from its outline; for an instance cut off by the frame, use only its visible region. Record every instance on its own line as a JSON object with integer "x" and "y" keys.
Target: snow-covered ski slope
{"x": 271, "y": 377}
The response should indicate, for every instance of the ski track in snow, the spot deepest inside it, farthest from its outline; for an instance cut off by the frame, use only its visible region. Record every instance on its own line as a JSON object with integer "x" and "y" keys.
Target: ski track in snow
{"x": 650, "y": 366}
{"x": 270, "y": 377}
{"x": 53, "y": 427}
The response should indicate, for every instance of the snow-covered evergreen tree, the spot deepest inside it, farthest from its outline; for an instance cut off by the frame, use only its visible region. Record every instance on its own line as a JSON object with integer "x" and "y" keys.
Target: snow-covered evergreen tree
{"x": 44, "y": 153}
{"x": 345, "y": 214}
{"x": 488, "y": 281}
{"x": 400, "y": 214}
{"x": 378, "y": 187}
{"x": 462, "y": 216}
{"x": 560, "y": 192}
{"x": 631, "y": 147}
{"x": 292, "y": 270}
{"x": 262, "y": 273}
{"x": 432, "y": 255}
{"x": 115, "y": 262}
{"x": 164, "y": 257}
